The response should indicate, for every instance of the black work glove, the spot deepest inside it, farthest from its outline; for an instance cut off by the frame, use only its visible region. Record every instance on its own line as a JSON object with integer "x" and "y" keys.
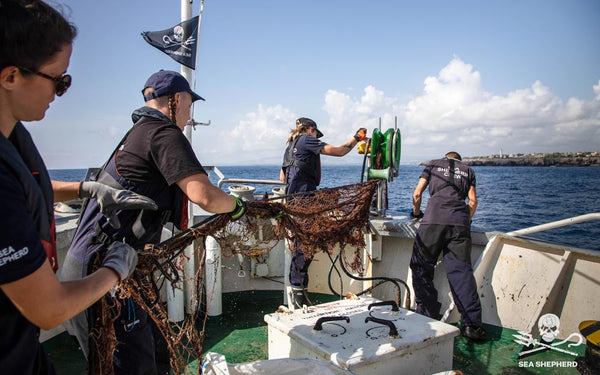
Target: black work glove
{"x": 361, "y": 134}
{"x": 239, "y": 210}
{"x": 121, "y": 258}
{"x": 112, "y": 200}
{"x": 419, "y": 216}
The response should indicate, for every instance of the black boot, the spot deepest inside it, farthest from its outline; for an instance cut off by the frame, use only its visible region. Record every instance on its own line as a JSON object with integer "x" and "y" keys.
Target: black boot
{"x": 475, "y": 333}
{"x": 298, "y": 297}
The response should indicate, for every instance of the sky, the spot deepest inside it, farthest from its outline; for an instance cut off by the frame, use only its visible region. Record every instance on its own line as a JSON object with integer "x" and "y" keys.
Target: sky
{"x": 477, "y": 77}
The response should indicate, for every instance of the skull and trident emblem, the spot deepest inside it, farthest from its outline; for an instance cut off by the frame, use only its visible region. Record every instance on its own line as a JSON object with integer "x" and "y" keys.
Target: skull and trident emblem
{"x": 178, "y": 37}
{"x": 548, "y": 326}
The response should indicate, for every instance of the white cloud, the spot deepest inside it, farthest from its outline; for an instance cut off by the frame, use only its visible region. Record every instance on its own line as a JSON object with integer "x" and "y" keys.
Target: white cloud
{"x": 258, "y": 139}
{"x": 454, "y": 111}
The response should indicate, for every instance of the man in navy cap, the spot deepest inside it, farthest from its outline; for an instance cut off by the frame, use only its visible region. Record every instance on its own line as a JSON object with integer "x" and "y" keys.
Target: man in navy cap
{"x": 154, "y": 159}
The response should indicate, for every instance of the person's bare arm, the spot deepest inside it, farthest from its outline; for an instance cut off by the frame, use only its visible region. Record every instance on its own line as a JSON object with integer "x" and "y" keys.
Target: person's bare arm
{"x": 472, "y": 202}
{"x": 65, "y": 191}
{"x": 47, "y": 302}
{"x": 418, "y": 195}
{"x": 339, "y": 150}
{"x": 201, "y": 191}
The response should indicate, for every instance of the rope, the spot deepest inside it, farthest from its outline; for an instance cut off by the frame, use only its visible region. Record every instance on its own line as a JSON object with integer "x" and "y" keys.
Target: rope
{"x": 322, "y": 221}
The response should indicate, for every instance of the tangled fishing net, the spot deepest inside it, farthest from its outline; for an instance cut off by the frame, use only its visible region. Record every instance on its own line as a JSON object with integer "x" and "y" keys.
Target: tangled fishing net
{"x": 320, "y": 221}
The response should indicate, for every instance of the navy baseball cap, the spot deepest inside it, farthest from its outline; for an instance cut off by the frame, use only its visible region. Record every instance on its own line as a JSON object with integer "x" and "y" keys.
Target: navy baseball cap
{"x": 310, "y": 123}
{"x": 168, "y": 82}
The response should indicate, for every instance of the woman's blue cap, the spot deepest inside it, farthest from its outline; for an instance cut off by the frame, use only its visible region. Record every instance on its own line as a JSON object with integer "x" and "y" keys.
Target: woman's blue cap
{"x": 167, "y": 82}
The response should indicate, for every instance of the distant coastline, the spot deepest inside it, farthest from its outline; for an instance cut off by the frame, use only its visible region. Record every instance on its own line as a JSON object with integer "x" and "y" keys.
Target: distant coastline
{"x": 578, "y": 159}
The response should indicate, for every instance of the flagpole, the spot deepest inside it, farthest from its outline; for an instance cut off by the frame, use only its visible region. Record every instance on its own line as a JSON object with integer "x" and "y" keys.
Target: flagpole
{"x": 177, "y": 303}
{"x": 170, "y": 41}
{"x": 183, "y": 302}
{"x": 186, "y": 14}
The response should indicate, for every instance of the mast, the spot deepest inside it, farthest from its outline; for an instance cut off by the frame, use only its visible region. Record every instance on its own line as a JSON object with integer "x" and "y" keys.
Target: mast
{"x": 178, "y": 300}
{"x": 186, "y": 14}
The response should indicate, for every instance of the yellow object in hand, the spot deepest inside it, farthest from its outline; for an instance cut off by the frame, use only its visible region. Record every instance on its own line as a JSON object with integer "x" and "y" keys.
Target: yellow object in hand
{"x": 362, "y": 147}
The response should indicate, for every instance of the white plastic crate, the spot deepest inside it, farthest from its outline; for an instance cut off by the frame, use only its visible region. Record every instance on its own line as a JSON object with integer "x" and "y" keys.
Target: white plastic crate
{"x": 423, "y": 345}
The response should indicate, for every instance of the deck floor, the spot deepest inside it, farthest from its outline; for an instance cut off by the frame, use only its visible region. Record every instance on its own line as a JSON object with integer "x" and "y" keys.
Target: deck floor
{"x": 241, "y": 335}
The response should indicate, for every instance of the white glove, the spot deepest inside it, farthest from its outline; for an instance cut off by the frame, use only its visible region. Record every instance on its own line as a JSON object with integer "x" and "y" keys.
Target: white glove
{"x": 112, "y": 200}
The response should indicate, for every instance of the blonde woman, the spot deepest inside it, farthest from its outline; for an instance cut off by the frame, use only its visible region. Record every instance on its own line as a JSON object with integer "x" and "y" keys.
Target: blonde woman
{"x": 301, "y": 171}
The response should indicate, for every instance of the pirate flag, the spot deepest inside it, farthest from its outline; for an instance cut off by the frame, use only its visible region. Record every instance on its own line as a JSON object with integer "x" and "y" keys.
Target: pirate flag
{"x": 179, "y": 42}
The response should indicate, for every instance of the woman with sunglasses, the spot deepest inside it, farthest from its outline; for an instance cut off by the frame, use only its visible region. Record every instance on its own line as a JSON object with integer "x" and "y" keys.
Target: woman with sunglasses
{"x": 35, "y": 48}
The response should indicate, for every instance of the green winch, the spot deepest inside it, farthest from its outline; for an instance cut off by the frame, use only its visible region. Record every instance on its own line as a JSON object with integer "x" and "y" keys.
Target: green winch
{"x": 384, "y": 155}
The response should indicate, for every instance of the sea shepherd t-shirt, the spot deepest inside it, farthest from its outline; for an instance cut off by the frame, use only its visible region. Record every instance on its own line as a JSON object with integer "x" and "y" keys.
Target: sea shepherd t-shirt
{"x": 21, "y": 254}
{"x": 447, "y": 206}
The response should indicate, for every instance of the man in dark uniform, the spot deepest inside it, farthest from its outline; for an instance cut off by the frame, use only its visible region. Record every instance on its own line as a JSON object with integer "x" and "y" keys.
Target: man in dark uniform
{"x": 445, "y": 227}
{"x": 301, "y": 171}
{"x": 155, "y": 159}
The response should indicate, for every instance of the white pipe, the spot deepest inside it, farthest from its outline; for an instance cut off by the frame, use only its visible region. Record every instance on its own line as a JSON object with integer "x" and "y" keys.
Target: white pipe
{"x": 174, "y": 303}
{"x": 555, "y": 224}
{"x": 174, "y": 296}
{"x": 189, "y": 272}
{"x": 214, "y": 290}
{"x": 286, "y": 271}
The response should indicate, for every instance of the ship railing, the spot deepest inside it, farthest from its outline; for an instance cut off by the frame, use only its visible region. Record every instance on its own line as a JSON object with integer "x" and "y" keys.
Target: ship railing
{"x": 519, "y": 280}
{"x": 555, "y": 224}
{"x": 224, "y": 180}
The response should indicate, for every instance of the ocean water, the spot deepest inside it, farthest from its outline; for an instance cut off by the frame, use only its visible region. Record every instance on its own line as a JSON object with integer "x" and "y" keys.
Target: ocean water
{"x": 510, "y": 198}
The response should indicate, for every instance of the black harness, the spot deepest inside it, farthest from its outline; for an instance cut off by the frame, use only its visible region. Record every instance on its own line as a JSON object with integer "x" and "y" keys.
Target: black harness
{"x": 450, "y": 183}
{"x": 141, "y": 233}
{"x": 290, "y": 159}
{"x": 147, "y": 223}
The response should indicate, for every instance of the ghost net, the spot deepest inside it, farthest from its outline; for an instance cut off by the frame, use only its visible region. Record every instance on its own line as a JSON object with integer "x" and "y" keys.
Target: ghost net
{"x": 319, "y": 221}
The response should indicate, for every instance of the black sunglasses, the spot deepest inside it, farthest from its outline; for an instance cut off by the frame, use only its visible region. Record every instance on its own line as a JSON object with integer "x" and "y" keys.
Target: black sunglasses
{"x": 61, "y": 84}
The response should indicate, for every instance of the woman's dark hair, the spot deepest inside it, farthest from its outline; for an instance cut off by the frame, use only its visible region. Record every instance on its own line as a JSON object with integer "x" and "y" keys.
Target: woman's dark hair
{"x": 31, "y": 33}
